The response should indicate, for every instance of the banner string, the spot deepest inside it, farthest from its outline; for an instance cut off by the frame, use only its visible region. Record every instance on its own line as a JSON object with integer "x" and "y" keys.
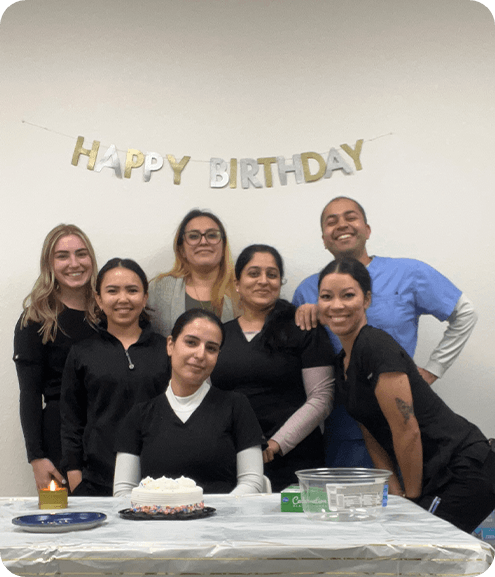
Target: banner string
{"x": 191, "y": 160}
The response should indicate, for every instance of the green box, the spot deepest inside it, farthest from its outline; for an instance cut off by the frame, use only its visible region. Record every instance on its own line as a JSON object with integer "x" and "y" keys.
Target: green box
{"x": 290, "y": 500}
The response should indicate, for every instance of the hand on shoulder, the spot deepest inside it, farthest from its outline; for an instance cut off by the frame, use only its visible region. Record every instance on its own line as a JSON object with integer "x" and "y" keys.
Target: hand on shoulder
{"x": 307, "y": 316}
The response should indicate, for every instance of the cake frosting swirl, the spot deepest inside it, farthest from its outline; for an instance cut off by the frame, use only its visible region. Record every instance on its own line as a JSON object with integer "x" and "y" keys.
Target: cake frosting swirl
{"x": 167, "y": 496}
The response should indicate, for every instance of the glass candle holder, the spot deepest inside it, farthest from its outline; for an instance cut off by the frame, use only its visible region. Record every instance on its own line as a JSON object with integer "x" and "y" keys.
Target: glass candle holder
{"x": 53, "y": 497}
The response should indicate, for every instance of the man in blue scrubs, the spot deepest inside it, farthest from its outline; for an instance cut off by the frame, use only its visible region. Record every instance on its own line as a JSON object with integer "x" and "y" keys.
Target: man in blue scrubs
{"x": 403, "y": 290}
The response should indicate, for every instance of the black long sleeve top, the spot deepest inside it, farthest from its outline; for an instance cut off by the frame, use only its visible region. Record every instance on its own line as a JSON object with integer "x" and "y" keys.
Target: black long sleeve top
{"x": 39, "y": 370}
{"x": 101, "y": 383}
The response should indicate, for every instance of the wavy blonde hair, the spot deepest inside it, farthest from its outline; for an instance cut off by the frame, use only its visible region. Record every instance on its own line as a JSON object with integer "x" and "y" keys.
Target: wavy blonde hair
{"x": 225, "y": 281}
{"x": 42, "y": 305}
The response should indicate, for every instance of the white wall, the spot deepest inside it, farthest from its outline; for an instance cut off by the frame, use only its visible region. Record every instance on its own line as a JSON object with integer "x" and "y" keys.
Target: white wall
{"x": 236, "y": 78}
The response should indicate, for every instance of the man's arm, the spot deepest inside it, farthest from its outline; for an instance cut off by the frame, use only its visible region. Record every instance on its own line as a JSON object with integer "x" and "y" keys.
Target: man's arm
{"x": 460, "y": 326}
{"x": 306, "y": 317}
{"x": 305, "y": 299}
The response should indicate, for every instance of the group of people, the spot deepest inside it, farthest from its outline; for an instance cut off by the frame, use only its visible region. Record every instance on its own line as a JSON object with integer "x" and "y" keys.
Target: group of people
{"x": 207, "y": 372}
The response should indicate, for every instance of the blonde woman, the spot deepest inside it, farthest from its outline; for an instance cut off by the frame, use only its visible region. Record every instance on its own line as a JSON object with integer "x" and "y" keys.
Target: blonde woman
{"x": 202, "y": 275}
{"x": 59, "y": 311}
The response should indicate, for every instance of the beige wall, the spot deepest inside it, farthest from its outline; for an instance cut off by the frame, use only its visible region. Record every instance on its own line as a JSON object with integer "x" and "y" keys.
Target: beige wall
{"x": 237, "y": 78}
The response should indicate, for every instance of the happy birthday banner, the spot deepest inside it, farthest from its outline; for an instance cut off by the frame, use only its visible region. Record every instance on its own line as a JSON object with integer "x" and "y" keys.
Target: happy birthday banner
{"x": 223, "y": 173}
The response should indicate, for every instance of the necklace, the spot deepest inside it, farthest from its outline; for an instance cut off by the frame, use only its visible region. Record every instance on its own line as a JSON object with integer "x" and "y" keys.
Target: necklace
{"x": 197, "y": 297}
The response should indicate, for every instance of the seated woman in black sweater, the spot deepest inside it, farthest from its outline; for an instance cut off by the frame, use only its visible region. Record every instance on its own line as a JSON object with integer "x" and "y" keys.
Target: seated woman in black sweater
{"x": 406, "y": 426}
{"x": 193, "y": 429}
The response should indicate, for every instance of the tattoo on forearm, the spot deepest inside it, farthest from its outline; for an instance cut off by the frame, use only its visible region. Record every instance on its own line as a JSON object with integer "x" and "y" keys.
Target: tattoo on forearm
{"x": 405, "y": 409}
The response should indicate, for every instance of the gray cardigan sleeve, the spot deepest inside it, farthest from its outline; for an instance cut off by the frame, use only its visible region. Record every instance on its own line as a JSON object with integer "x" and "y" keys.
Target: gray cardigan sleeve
{"x": 167, "y": 299}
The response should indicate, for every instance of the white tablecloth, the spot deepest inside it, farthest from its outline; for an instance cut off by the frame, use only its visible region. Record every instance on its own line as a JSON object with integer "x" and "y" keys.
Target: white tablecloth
{"x": 247, "y": 536}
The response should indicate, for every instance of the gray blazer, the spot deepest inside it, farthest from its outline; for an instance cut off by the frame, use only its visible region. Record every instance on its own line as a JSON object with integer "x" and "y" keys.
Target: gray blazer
{"x": 167, "y": 298}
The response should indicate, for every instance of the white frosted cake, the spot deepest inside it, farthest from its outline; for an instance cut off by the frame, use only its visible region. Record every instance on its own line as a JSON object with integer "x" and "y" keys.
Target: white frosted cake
{"x": 167, "y": 496}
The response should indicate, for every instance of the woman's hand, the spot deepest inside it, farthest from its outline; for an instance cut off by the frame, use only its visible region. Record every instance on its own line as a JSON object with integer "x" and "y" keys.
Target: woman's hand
{"x": 270, "y": 452}
{"x": 307, "y": 317}
{"x": 74, "y": 477}
{"x": 394, "y": 487}
{"x": 381, "y": 460}
{"x": 45, "y": 472}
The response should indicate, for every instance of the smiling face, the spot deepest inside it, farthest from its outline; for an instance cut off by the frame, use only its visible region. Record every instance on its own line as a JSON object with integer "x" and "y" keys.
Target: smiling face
{"x": 71, "y": 262}
{"x": 121, "y": 298}
{"x": 204, "y": 255}
{"x": 260, "y": 282}
{"x": 194, "y": 354}
{"x": 342, "y": 305}
{"x": 344, "y": 230}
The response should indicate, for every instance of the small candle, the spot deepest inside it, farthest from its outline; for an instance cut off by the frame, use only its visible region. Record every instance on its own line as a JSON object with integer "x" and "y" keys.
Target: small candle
{"x": 53, "y": 497}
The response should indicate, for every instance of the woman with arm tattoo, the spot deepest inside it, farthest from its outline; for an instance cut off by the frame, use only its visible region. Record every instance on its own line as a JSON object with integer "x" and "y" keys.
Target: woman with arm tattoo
{"x": 432, "y": 451}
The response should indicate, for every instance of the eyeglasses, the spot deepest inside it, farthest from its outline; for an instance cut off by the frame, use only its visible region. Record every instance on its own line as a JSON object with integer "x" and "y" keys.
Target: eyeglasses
{"x": 212, "y": 236}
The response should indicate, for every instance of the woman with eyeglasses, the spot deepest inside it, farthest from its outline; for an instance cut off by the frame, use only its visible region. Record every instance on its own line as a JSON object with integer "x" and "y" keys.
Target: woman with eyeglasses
{"x": 202, "y": 275}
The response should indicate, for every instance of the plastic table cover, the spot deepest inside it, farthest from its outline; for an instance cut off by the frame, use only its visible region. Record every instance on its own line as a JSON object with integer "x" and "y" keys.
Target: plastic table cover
{"x": 248, "y": 535}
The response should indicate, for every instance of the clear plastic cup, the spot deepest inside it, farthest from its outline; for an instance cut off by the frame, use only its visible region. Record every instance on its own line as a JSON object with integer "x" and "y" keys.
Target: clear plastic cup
{"x": 343, "y": 494}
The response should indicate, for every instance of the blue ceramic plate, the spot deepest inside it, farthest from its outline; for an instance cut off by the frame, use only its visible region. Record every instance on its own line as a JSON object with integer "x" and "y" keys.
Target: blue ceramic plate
{"x": 59, "y": 522}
